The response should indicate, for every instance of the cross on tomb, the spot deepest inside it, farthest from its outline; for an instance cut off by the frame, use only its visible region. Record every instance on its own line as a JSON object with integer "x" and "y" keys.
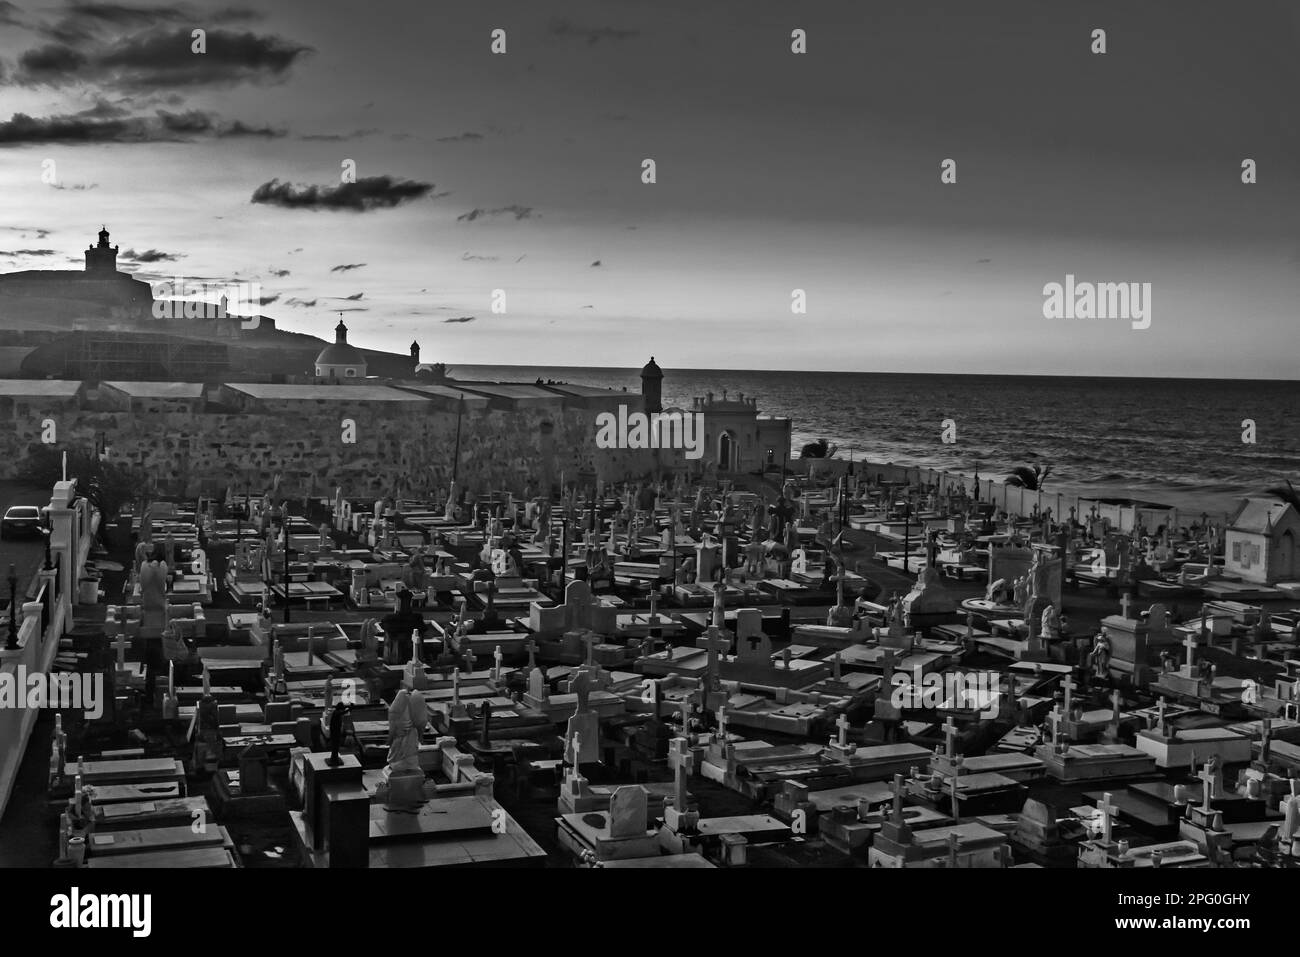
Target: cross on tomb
{"x": 1068, "y": 685}
{"x": 591, "y": 639}
{"x": 1106, "y": 808}
{"x": 531, "y": 647}
{"x": 685, "y": 762}
{"x": 1207, "y": 787}
{"x": 1190, "y": 643}
{"x": 842, "y": 723}
{"x": 688, "y": 706}
{"x": 120, "y": 644}
{"x": 1055, "y": 718}
{"x": 1124, "y": 604}
{"x": 576, "y": 750}
{"x": 898, "y": 799}
{"x": 722, "y": 722}
{"x": 496, "y": 658}
{"x": 949, "y": 736}
{"x": 1114, "y": 703}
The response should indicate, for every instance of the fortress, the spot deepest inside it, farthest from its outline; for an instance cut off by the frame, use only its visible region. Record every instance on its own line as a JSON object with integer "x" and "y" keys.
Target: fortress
{"x": 198, "y": 409}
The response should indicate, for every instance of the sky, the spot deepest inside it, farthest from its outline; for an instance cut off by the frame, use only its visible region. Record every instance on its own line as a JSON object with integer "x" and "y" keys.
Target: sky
{"x": 775, "y": 171}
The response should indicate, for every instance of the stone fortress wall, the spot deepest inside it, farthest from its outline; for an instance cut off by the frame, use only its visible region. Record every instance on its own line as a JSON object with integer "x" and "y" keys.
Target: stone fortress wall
{"x": 191, "y": 444}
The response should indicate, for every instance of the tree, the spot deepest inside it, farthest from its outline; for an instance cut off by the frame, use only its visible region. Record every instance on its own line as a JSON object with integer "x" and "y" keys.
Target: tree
{"x": 1022, "y": 476}
{"x": 106, "y": 485}
{"x": 821, "y": 449}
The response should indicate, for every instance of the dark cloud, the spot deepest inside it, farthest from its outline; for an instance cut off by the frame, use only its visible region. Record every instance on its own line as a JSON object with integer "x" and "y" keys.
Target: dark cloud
{"x": 267, "y": 300}
{"x": 461, "y": 138}
{"x": 40, "y": 233}
{"x": 472, "y": 258}
{"x": 366, "y": 194}
{"x": 596, "y": 263}
{"x": 279, "y": 273}
{"x": 304, "y": 303}
{"x": 355, "y": 297}
{"x": 561, "y": 27}
{"x": 28, "y": 252}
{"x": 353, "y": 309}
{"x": 159, "y": 59}
{"x": 461, "y": 319}
{"x": 336, "y": 137}
{"x": 163, "y": 127}
{"x": 10, "y": 14}
{"x": 76, "y": 187}
{"x": 519, "y": 212}
{"x": 150, "y": 256}
{"x": 346, "y": 267}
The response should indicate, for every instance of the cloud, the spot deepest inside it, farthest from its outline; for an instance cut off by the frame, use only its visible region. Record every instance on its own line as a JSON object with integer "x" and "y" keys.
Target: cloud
{"x": 347, "y": 267}
{"x": 519, "y": 212}
{"x": 461, "y": 138}
{"x": 279, "y": 273}
{"x": 472, "y": 258}
{"x": 267, "y": 300}
{"x": 366, "y": 194}
{"x": 355, "y": 297}
{"x": 150, "y": 256}
{"x": 156, "y": 59}
{"x": 461, "y": 319}
{"x": 561, "y": 27}
{"x": 337, "y": 137}
{"x": 90, "y": 126}
{"x": 78, "y": 187}
{"x": 596, "y": 263}
{"x": 10, "y": 14}
{"x": 28, "y": 252}
{"x": 304, "y": 303}
{"x": 353, "y": 309}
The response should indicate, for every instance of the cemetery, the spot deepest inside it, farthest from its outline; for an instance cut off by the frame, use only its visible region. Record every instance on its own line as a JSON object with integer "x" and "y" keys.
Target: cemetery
{"x": 842, "y": 669}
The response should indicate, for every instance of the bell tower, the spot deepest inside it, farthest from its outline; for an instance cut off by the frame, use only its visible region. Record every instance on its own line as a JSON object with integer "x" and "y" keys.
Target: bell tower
{"x": 102, "y": 259}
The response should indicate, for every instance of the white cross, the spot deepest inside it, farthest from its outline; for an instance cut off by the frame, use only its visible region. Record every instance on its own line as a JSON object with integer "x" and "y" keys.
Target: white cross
{"x": 1207, "y": 787}
{"x": 1124, "y": 605}
{"x": 577, "y": 748}
{"x": 722, "y": 722}
{"x": 121, "y": 643}
{"x": 1068, "y": 685}
{"x": 1056, "y": 721}
{"x": 496, "y": 657}
{"x": 171, "y": 680}
{"x": 1190, "y": 643}
{"x": 949, "y": 736}
{"x": 1105, "y": 807}
{"x": 843, "y": 724}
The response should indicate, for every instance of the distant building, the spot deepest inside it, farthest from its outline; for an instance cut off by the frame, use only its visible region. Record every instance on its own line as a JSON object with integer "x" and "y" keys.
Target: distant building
{"x": 737, "y": 438}
{"x": 1260, "y": 544}
{"x": 102, "y": 259}
{"x": 340, "y": 360}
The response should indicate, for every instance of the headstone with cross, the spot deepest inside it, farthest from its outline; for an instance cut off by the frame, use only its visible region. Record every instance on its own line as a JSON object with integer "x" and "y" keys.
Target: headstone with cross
{"x": 1105, "y": 807}
{"x": 1189, "y": 669}
{"x": 120, "y": 643}
{"x": 1068, "y": 685}
{"x": 496, "y": 664}
{"x": 1055, "y": 719}
{"x": 949, "y": 737}
{"x": 1124, "y": 604}
{"x": 531, "y": 647}
{"x": 842, "y": 724}
{"x": 1207, "y": 777}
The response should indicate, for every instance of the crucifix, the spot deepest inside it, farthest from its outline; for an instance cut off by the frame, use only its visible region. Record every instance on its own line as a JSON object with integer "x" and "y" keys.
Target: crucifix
{"x": 1105, "y": 807}
{"x": 1207, "y": 788}
{"x": 121, "y": 643}
{"x": 842, "y": 723}
{"x": 949, "y": 736}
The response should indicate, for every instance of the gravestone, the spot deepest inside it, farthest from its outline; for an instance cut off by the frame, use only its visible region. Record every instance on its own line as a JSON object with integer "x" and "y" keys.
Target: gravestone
{"x": 628, "y": 812}
{"x": 752, "y": 643}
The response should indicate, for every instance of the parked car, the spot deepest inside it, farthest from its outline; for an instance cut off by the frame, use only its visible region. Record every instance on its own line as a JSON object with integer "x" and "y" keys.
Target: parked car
{"x": 21, "y": 520}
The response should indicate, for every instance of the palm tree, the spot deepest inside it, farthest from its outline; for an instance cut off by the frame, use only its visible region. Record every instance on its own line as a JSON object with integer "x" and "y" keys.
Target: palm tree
{"x": 1022, "y": 476}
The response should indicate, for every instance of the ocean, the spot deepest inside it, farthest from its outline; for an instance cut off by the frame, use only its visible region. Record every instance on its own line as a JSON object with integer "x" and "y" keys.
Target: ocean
{"x": 1174, "y": 441}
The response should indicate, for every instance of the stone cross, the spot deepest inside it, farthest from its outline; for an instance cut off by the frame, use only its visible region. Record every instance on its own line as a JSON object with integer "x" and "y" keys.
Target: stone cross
{"x": 842, "y": 723}
{"x": 1105, "y": 807}
{"x": 1068, "y": 685}
{"x": 1124, "y": 605}
{"x": 455, "y": 687}
{"x": 591, "y": 639}
{"x": 120, "y": 643}
{"x": 1114, "y": 703}
{"x": 898, "y": 799}
{"x": 531, "y": 647}
{"x": 949, "y": 736}
{"x": 1190, "y": 643}
{"x": 685, "y": 761}
{"x": 1207, "y": 788}
{"x": 1160, "y": 717}
{"x": 1055, "y": 718}
{"x": 835, "y": 666}
{"x": 722, "y": 723}
{"x": 688, "y": 706}
{"x": 575, "y": 740}
{"x": 496, "y": 658}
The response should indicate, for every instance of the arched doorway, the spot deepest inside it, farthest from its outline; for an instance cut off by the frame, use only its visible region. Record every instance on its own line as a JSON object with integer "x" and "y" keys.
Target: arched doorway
{"x": 1286, "y": 565}
{"x": 726, "y": 452}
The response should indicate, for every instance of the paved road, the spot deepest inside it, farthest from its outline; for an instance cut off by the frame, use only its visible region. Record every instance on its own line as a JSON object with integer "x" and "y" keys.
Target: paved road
{"x": 26, "y": 554}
